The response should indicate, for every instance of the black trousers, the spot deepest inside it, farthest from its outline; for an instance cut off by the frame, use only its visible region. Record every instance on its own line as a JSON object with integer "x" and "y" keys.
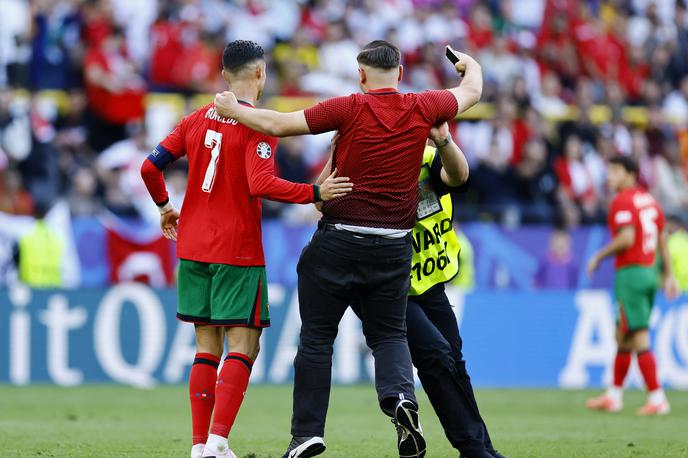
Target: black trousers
{"x": 435, "y": 343}
{"x": 336, "y": 269}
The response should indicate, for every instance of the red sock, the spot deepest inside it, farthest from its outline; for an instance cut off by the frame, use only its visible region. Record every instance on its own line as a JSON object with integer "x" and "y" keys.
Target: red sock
{"x": 202, "y": 383}
{"x": 648, "y": 367}
{"x": 231, "y": 388}
{"x": 621, "y": 364}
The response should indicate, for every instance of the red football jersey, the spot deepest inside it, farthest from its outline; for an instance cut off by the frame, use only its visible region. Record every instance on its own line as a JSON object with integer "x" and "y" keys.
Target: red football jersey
{"x": 636, "y": 207}
{"x": 230, "y": 168}
{"x": 382, "y": 136}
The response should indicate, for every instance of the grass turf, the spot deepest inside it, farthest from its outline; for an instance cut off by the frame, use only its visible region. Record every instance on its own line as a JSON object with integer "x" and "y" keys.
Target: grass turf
{"x": 112, "y": 421}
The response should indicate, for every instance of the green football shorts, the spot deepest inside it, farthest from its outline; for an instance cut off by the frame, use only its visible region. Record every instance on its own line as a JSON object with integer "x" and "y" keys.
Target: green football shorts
{"x": 635, "y": 288}
{"x": 222, "y": 295}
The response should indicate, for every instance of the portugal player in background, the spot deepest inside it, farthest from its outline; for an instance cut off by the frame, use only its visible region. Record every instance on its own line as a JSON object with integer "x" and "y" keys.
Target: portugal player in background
{"x": 636, "y": 223}
{"x": 222, "y": 281}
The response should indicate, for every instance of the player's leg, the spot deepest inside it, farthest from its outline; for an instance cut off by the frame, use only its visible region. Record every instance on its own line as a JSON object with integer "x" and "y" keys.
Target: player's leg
{"x": 625, "y": 292}
{"x": 612, "y": 399}
{"x": 243, "y": 344}
{"x": 383, "y": 300}
{"x": 238, "y": 301}
{"x": 194, "y": 282}
{"x": 439, "y": 373}
{"x": 202, "y": 381}
{"x": 657, "y": 403}
{"x": 323, "y": 285}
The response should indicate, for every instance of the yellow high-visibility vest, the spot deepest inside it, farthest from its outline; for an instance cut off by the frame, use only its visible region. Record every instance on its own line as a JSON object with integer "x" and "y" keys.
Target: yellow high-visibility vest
{"x": 40, "y": 257}
{"x": 435, "y": 245}
{"x": 678, "y": 251}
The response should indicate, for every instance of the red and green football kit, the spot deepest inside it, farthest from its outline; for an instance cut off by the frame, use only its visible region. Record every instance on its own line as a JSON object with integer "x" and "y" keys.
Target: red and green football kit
{"x": 637, "y": 280}
{"x": 222, "y": 273}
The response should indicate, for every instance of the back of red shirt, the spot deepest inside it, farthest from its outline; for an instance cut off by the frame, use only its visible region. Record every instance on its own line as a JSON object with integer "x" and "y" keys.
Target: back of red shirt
{"x": 382, "y": 136}
{"x": 230, "y": 168}
{"x": 637, "y": 208}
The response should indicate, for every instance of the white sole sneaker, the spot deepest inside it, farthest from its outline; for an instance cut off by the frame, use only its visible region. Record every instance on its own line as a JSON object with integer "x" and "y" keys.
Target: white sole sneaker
{"x": 312, "y": 447}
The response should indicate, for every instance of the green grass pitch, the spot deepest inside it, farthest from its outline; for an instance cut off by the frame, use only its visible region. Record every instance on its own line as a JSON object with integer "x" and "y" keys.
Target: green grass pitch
{"x": 111, "y": 421}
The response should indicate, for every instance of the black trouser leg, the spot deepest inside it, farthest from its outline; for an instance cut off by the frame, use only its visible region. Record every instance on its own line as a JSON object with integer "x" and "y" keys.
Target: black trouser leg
{"x": 321, "y": 310}
{"x": 435, "y": 344}
{"x": 337, "y": 269}
{"x": 383, "y": 313}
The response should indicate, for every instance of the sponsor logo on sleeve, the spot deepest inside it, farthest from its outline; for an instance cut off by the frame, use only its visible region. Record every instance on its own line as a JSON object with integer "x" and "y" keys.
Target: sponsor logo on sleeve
{"x": 623, "y": 217}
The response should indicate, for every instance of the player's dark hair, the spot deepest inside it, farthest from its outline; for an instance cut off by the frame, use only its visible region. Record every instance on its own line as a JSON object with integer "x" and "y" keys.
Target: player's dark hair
{"x": 628, "y": 163}
{"x": 380, "y": 54}
{"x": 239, "y": 53}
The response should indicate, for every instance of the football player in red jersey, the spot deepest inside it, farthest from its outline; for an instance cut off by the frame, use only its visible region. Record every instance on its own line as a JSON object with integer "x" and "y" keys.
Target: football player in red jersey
{"x": 636, "y": 223}
{"x": 222, "y": 282}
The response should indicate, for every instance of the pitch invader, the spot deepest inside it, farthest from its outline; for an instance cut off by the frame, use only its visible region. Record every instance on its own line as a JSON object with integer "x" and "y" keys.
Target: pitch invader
{"x": 636, "y": 223}
{"x": 222, "y": 283}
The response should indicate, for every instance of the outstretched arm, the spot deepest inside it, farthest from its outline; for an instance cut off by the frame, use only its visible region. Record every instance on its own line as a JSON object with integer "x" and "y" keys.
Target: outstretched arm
{"x": 267, "y": 122}
{"x": 470, "y": 89}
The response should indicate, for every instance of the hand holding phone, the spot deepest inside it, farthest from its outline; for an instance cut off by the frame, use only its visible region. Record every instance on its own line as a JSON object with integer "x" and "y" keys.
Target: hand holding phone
{"x": 453, "y": 57}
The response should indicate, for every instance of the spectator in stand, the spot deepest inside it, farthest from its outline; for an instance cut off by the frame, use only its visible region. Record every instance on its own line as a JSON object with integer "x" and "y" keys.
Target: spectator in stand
{"x": 14, "y": 199}
{"x": 670, "y": 182}
{"x": 556, "y": 49}
{"x": 166, "y": 45}
{"x": 548, "y": 102}
{"x": 501, "y": 66}
{"x": 480, "y": 33}
{"x": 114, "y": 89}
{"x": 536, "y": 184}
{"x": 56, "y": 31}
{"x": 195, "y": 68}
{"x": 577, "y": 195}
{"x": 557, "y": 268}
{"x": 82, "y": 197}
{"x": 15, "y": 22}
{"x": 490, "y": 148}
{"x": 676, "y": 104}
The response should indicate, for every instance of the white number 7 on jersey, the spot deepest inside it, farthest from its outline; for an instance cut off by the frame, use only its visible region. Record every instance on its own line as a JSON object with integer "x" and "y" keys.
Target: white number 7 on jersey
{"x": 213, "y": 140}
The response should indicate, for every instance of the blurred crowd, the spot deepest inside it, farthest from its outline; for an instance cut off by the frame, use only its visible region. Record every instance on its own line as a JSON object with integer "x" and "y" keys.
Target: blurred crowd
{"x": 537, "y": 150}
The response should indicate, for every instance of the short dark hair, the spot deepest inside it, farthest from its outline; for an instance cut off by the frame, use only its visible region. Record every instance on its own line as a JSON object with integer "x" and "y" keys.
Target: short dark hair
{"x": 628, "y": 163}
{"x": 380, "y": 54}
{"x": 238, "y": 53}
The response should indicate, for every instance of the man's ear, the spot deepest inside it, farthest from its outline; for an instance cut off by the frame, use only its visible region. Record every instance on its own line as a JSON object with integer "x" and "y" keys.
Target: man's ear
{"x": 259, "y": 71}
{"x": 225, "y": 75}
{"x": 401, "y": 72}
{"x": 362, "y": 77}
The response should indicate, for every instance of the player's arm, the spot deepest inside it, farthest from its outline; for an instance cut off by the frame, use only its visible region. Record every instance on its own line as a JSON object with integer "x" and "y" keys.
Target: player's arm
{"x": 268, "y": 122}
{"x": 168, "y": 151}
{"x": 622, "y": 241}
{"x": 454, "y": 170}
{"x": 670, "y": 285}
{"x": 326, "y": 116}
{"x": 263, "y": 182}
{"x": 470, "y": 89}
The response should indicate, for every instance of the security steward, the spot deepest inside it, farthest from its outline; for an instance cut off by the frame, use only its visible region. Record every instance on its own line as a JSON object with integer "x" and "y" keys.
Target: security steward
{"x": 432, "y": 330}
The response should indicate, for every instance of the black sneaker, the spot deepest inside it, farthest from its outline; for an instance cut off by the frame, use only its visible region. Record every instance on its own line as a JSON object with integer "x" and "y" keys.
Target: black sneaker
{"x": 410, "y": 434}
{"x": 304, "y": 447}
{"x": 496, "y": 454}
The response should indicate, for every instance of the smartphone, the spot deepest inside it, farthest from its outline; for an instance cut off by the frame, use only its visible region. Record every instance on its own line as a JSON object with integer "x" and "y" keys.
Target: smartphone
{"x": 451, "y": 55}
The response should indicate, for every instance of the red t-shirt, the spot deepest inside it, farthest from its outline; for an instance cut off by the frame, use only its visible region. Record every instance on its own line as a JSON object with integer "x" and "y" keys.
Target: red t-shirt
{"x": 382, "y": 136}
{"x": 636, "y": 207}
{"x": 114, "y": 107}
{"x": 230, "y": 168}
